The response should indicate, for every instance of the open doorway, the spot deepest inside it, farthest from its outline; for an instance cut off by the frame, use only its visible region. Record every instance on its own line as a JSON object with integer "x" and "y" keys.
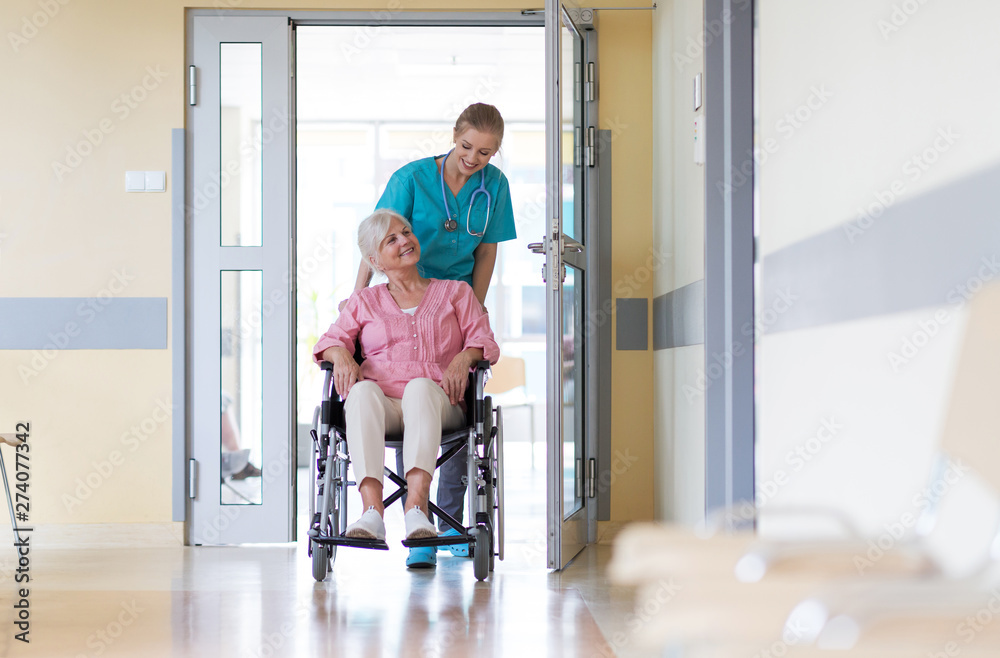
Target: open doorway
{"x": 369, "y": 100}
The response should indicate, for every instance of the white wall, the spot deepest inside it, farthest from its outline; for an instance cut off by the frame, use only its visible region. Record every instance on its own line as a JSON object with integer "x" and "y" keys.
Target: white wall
{"x": 849, "y": 93}
{"x": 678, "y": 230}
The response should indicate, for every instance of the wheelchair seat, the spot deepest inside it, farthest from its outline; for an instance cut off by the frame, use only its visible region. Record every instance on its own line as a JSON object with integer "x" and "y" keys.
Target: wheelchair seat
{"x": 482, "y": 434}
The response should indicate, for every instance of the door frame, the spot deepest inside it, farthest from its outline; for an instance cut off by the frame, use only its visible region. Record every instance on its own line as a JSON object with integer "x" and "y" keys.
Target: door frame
{"x": 598, "y": 436}
{"x": 568, "y": 536}
{"x": 729, "y": 261}
{"x": 273, "y": 258}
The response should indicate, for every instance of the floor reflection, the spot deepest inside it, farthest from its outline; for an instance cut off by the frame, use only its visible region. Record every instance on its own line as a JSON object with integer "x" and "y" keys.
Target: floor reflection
{"x": 257, "y": 601}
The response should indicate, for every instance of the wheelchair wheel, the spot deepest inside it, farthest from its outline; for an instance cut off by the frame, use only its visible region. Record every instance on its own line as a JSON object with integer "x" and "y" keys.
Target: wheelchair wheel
{"x": 483, "y": 558}
{"x": 319, "y": 562}
{"x": 494, "y": 493}
{"x": 324, "y": 555}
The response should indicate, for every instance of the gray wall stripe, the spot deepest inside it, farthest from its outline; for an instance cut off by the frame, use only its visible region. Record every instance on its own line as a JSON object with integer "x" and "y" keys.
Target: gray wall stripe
{"x": 178, "y": 335}
{"x": 632, "y": 320}
{"x": 84, "y": 323}
{"x": 927, "y": 251}
{"x": 679, "y": 317}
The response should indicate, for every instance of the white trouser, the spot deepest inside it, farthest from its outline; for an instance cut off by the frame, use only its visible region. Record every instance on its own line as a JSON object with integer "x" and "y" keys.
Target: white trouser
{"x": 422, "y": 414}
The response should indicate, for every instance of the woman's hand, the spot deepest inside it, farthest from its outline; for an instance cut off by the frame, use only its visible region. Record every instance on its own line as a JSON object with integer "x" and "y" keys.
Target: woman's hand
{"x": 346, "y": 371}
{"x": 456, "y": 377}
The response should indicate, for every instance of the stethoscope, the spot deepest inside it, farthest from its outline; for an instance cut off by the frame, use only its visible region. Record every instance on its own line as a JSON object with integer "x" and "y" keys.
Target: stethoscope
{"x": 450, "y": 224}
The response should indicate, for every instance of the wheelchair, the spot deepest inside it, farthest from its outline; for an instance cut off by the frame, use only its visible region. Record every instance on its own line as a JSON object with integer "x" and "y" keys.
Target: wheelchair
{"x": 484, "y": 478}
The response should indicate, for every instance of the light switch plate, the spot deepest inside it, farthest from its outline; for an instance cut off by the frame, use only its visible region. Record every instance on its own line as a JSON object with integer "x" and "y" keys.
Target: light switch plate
{"x": 135, "y": 181}
{"x": 156, "y": 181}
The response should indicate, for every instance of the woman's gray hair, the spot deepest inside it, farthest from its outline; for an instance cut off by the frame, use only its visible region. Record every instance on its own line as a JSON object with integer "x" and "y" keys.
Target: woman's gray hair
{"x": 372, "y": 231}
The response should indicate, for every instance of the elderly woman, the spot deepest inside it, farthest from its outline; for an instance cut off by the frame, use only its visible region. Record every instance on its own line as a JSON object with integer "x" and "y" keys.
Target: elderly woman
{"x": 419, "y": 338}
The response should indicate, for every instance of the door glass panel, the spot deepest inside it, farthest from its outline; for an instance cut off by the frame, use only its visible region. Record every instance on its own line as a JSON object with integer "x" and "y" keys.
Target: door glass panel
{"x": 241, "y": 434}
{"x": 572, "y": 135}
{"x": 238, "y": 180}
{"x": 572, "y": 391}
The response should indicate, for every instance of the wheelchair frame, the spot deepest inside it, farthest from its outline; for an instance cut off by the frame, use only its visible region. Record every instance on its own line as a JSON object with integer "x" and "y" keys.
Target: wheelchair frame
{"x": 329, "y": 482}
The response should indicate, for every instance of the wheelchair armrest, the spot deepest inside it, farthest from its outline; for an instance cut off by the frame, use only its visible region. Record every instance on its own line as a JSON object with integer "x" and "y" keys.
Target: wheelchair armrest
{"x": 331, "y": 406}
{"x": 478, "y": 375}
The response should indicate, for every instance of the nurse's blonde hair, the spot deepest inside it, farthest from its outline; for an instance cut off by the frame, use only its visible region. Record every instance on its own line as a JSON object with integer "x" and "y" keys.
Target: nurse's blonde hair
{"x": 372, "y": 230}
{"x": 483, "y": 118}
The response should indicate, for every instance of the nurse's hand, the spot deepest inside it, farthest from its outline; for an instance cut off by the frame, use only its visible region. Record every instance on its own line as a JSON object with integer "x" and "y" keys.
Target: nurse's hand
{"x": 341, "y": 305}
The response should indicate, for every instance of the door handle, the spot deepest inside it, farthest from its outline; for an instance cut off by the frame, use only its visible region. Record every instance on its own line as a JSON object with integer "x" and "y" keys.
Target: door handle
{"x": 569, "y": 244}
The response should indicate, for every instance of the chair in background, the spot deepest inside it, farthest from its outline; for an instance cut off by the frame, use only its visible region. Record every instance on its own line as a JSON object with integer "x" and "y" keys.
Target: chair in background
{"x": 965, "y": 540}
{"x": 508, "y": 388}
{"x": 901, "y": 603}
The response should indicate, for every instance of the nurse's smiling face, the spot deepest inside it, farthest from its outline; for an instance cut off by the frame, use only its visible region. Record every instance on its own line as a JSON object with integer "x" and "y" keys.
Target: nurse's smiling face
{"x": 473, "y": 150}
{"x": 399, "y": 248}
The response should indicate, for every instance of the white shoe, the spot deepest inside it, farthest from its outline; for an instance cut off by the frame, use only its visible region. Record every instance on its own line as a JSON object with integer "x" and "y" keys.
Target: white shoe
{"x": 369, "y": 526}
{"x": 418, "y": 526}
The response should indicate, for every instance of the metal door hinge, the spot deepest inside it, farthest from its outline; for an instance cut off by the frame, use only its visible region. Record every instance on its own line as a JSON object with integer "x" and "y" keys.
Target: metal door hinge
{"x": 592, "y": 478}
{"x": 192, "y": 478}
{"x": 192, "y": 85}
{"x": 591, "y": 82}
{"x": 591, "y": 146}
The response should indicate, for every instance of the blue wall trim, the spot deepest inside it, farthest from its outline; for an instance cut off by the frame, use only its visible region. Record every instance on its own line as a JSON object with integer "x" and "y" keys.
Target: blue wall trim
{"x": 83, "y": 323}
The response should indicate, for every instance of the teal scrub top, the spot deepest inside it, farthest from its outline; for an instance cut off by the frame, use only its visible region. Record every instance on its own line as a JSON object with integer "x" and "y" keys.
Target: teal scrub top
{"x": 414, "y": 191}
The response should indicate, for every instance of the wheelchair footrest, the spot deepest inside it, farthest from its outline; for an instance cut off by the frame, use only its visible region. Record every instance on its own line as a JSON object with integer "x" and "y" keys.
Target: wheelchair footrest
{"x": 438, "y": 541}
{"x": 375, "y": 544}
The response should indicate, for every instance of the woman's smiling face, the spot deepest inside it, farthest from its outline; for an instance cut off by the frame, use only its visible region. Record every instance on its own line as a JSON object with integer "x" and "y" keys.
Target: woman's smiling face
{"x": 399, "y": 248}
{"x": 473, "y": 150}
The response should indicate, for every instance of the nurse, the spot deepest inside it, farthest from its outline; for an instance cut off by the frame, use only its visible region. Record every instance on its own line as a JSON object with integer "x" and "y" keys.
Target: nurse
{"x": 460, "y": 208}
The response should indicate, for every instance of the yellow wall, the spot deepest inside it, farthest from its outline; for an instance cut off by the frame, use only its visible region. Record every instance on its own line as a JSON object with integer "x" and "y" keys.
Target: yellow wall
{"x": 625, "y": 108}
{"x": 67, "y": 234}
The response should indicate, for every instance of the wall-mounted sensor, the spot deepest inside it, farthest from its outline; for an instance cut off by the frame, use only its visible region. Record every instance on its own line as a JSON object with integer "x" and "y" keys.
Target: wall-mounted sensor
{"x": 699, "y": 139}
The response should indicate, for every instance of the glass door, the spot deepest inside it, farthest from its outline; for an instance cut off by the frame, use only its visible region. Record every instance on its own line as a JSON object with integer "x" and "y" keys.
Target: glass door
{"x": 565, "y": 280}
{"x": 239, "y": 275}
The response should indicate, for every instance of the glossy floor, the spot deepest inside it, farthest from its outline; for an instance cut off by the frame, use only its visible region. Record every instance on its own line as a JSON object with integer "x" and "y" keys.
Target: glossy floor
{"x": 262, "y": 601}
{"x": 257, "y": 601}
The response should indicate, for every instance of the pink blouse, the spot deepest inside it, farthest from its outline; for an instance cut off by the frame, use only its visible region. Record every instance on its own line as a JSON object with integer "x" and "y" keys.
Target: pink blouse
{"x": 399, "y": 347}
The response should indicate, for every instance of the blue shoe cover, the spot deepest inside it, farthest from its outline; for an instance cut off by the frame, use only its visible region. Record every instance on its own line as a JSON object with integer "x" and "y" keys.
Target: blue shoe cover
{"x": 422, "y": 557}
{"x": 458, "y": 550}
